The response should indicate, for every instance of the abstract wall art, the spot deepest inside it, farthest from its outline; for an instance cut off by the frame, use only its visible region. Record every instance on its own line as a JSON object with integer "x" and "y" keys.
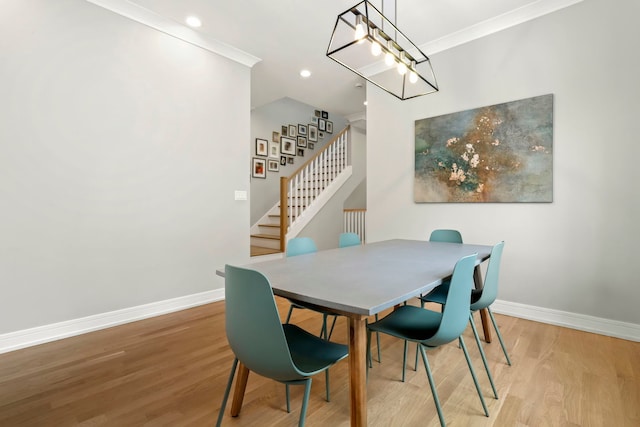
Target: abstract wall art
{"x": 498, "y": 153}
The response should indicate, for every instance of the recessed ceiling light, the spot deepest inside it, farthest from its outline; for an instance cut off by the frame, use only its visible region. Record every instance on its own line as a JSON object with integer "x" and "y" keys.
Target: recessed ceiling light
{"x": 305, "y": 73}
{"x": 365, "y": 102}
{"x": 193, "y": 21}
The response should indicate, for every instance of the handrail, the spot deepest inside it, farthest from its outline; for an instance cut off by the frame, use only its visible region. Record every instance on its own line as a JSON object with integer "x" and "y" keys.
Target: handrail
{"x": 299, "y": 190}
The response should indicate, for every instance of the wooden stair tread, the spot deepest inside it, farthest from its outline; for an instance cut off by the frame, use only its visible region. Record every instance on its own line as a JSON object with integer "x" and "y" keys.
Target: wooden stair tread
{"x": 270, "y": 225}
{"x": 259, "y": 250}
{"x": 266, "y": 236}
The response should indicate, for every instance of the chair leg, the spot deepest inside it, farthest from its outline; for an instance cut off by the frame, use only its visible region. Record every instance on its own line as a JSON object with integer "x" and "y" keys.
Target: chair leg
{"x": 473, "y": 374}
{"x": 432, "y": 384}
{"x": 369, "y": 363}
{"x": 324, "y": 331}
{"x": 482, "y": 355}
{"x": 404, "y": 359}
{"x": 289, "y": 314}
{"x": 226, "y": 391}
{"x": 305, "y": 400}
{"x": 495, "y": 326}
{"x": 378, "y": 342}
{"x": 333, "y": 324}
{"x": 326, "y": 376}
{"x": 286, "y": 391}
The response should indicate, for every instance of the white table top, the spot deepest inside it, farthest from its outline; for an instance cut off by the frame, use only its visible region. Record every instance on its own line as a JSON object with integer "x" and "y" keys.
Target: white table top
{"x": 366, "y": 279}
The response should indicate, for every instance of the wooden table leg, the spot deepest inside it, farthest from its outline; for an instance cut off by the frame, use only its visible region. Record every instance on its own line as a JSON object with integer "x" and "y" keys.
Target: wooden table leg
{"x": 241, "y": 385}
{"x": 358, "y": 370}
{"x": 477, "y": 279}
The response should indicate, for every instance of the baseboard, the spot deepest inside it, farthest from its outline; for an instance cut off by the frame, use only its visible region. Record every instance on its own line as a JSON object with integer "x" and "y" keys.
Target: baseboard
{"x": 47, "y": 333}
{"x": 582, "y": 322}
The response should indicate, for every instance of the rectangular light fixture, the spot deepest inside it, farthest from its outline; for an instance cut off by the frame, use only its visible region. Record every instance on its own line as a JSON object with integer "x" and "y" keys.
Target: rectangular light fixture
{"x": 367, "y": 43}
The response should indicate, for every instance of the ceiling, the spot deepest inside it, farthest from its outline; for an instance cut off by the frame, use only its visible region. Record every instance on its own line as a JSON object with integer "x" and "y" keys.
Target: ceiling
{"x": 289, "y": 35}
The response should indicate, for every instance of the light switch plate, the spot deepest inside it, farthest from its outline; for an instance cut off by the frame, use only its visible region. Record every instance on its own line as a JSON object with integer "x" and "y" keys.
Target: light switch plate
{"x": 240, "y": 195}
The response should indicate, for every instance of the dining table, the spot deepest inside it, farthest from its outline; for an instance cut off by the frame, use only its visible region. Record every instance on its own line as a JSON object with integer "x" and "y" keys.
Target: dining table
{"x": 358, "y": 282}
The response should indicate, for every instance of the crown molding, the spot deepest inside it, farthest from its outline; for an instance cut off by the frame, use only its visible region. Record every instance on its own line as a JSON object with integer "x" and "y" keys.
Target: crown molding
{"x": 498, "y": 23}
{"x": 175, "y": 29}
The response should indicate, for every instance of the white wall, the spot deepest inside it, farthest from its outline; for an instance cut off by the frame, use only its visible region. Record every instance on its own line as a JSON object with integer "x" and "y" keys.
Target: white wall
{"x": 120, "y": 149}
{"x": 576, "y": 254}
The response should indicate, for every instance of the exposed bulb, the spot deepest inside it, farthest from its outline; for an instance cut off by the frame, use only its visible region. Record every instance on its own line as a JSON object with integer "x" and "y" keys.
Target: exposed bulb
{"x": 402, "y": 68}
{"x": 413, "y": 77}
{"x": 359, "y": 28}
{"x": 389, "y": 59}
{"x": 376, "y": 49}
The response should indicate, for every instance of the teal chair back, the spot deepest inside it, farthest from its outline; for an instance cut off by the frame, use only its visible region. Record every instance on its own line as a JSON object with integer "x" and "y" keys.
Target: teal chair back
{"x": 253, "y": 325}
{"x": 348, "y": 239}
{"x": 448, "y": 236}
{"x": 301, "y": 246}
{"x": 455, "y": 313}
{"x": 490, "y": 287}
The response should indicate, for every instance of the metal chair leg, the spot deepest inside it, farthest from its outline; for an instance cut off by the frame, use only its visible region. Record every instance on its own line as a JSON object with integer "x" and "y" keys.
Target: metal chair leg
{"x": 289, "y": 314}
{"x": 432, "y": 384}
{"x": 482, "y": 355}
{"x": 495, "y": 326}
{"x": 305, "y": 401}
{"x": 404, "y": 359}
{"x": 226, "y": 391}
{"x": 473, "y": 374}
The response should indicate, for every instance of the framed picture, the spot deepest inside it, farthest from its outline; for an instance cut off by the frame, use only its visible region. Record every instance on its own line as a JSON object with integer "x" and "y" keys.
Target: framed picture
{"x": 289, "y": 160}
{"x": 320, "y": 134}
{"x": 302, "y": 130}
{"x": 259, "y": 168}
{"x": 312, "y": 131}
{"x": 283, "y": 160}
{"x": 283, "y": 130}
{"x": 273, "y": 165}
{"x": 322, "y": 124}
{"x": 318, "y": 113}
{"x": 293, "y": 130}
{"x": 325, "y": 115}
{"x": 301, "y": 152}
{"x": 310, "y": 146}
{"x": 287, "y": 145}
{"x": 329, "y": 127}
{"x": 275, "y": 136}
{"x": 261, "y": 147}
{"x": 314, "y": 119}
{"x": 302, "y": 142}
{"x": 274, "y": 150}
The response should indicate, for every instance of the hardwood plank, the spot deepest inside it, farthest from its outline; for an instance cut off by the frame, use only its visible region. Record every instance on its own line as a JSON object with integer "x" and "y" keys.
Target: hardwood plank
{"x": 172, "y": 370}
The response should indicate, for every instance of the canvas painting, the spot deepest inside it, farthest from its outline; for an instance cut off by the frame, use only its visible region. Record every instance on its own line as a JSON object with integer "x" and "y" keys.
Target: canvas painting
{"x": 498, "y": 153}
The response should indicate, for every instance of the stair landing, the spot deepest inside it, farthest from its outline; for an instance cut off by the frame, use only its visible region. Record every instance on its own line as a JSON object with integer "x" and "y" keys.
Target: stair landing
{"x": 259, "y": 250}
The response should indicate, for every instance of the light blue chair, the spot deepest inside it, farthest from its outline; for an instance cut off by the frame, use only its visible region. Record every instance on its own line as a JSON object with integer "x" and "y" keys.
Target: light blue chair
{"x": 445, "y": 235}
{"x": 285, "y": 353}
{"x": 431, "y": 329}
{"x": 301, "y": 246}
{"x": 480, "y": 299}
{"x": 348, "y": 239}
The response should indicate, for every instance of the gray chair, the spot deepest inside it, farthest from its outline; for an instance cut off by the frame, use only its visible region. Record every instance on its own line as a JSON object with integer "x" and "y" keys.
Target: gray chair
{"x": 431, "y": 329}
{"x": 285, "y": 353}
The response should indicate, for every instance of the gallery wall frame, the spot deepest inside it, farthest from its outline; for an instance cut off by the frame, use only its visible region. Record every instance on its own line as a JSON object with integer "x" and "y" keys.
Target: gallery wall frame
{"x": 259, "y": 168}
{"x": 500, "y": 153}
{"x": 287, "y": 145}
{"x": 261, "y": 147}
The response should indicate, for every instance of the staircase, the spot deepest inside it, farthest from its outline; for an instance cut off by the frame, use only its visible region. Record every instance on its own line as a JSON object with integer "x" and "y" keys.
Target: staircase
{"x": 302, "y": 195}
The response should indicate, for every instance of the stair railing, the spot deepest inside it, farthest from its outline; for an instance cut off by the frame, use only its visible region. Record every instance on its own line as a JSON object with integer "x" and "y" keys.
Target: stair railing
{"x": 298, "y": 191}
{"x": 355, "y": 222}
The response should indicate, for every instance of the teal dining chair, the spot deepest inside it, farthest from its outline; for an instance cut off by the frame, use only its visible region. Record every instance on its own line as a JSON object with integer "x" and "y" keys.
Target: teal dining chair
{"x": 348, "y": 239}
{"x": 285, "y": 353}
{"x": 301, "y": 246}
{"x": 480, "y": 299}
{"x": 430, "y": 329}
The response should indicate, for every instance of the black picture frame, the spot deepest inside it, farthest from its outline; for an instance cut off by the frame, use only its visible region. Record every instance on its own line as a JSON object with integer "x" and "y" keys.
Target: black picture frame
{"x": 310, "y": 146}
{"x": 283, "y": 160}
{"x": 329, "y": 127}
{"x": 289, "y": 160}
{"x": 317, "y": 113}
{"x": 283, "y": 130}
{"x": 312, "y": 132}
{"x": 262, "y": 147}
{"x": 302, "y": 130}
{"x": 273, "y": 165}
{"x": 322, "y": 124}
{"x": 259, "y": 168}
{"x": 293, "y": 131}
{"x": 325, "y": 115}
{"x": 301, "y": 152}
{"x": 302, "y": 142}
{"x": 287, "y": 145}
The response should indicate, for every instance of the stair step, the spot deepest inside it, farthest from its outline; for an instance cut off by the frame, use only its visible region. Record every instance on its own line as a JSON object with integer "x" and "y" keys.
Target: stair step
{"x": 270, "y": 225}
{"x": 259, "y": 250}
{"x": 266, "y": 236}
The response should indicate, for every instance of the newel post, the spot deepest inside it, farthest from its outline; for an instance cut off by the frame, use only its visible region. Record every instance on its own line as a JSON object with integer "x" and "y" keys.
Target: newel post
{"x": 284, "y": 219}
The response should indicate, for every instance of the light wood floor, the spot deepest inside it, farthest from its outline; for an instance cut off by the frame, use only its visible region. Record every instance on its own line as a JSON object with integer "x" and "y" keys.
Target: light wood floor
{"x": 171, "y": 371}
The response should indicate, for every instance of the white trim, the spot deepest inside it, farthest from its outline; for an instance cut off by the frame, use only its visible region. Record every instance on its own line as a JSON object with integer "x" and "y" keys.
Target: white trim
{"x": 582, "y": 322}
{"x": 498, "y": 23}
{"x": 43, "y": 334}
{"x": 176, "y": 29}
